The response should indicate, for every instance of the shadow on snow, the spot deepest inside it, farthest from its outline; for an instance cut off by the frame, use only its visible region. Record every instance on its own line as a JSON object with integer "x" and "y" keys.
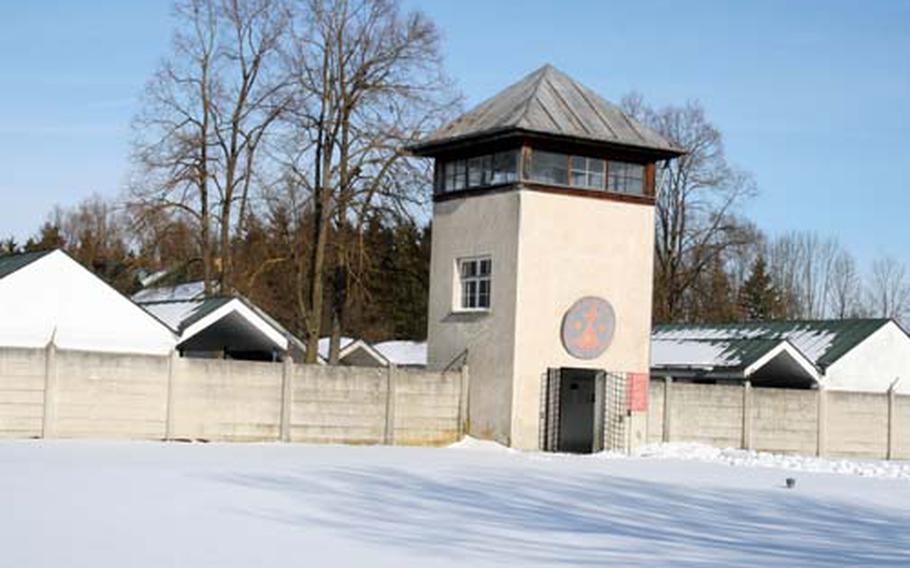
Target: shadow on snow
{"x": 586, "y": 519}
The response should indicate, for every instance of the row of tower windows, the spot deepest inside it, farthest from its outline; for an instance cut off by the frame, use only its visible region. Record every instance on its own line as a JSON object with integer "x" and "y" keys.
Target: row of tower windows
{"x": 481, "y": 171}
{"x": 551, "y": 168}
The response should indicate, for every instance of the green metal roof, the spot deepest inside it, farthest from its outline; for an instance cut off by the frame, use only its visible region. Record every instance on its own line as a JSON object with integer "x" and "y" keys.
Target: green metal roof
{"x": 13, "y": 262}
{"x": 206, "y": 306}
{"x": 748, "y": 351}
{"x": 822, "y": 341}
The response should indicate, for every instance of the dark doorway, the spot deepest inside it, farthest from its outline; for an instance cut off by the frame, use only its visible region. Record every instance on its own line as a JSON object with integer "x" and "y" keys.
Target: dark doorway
{"x": 572, "y": 417}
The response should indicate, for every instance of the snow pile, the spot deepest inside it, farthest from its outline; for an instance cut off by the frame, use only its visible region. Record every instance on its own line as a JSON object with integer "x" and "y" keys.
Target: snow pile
{"x": 475, "y": 444}
{"x": 736, "y": 457}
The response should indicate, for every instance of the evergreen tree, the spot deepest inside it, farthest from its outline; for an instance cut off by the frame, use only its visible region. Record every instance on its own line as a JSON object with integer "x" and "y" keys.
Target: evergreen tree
{"x": 758, "y": 298}
{"x": 48, "y": 238}
{"x": 717, "y": 298}
{"x": 9, "y": 246}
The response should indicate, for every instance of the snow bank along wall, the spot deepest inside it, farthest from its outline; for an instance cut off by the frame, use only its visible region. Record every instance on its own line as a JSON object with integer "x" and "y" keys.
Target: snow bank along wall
{"x": 72, "y": 394}
{"x": 812, "y": 422}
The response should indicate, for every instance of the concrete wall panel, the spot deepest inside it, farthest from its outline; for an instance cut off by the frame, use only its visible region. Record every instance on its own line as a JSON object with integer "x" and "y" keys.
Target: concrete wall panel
{"x": 711, "y": 414}
{"x": 655, "y": 426}
{"x": 426, "y": 407}
{"x": 342, "y": 405}
{"x": 21, "y": 392}
{"x": 902, "y": 427}
{"x": 785, "y": 420}
{"x": 110, "y": 395}
{"x": 227, "y": 400}
{"x": 857, "y": 424}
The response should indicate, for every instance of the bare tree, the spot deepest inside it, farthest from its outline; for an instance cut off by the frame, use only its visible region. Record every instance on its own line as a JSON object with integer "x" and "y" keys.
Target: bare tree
{"x": 813, "y": 274}
{"x": 370, "y": 81}
{"x": 845, "y": 292}
{"x": 698, "y": 196}
{"x": 96, "y": 233}
{"x": 889, "y": 289}
{"x": 205, "y": 115}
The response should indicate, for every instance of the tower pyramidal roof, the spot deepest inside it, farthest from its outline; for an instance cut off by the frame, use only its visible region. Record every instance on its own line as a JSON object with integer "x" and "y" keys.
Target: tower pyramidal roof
{"x": 550, "y": 103}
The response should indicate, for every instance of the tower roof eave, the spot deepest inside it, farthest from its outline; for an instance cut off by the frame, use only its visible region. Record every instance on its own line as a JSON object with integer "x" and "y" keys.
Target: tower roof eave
{"x": 429, "y": 147}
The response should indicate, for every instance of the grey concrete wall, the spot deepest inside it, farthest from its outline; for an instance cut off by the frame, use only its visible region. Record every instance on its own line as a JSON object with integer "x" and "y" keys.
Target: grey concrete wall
{"x": 855, "y": 424}
{"x": 711, "y": 414}
{"x": 103, "y": 395}
{"x": 71, "y": 394}
{"x": 426, "y": 407}
{"x": 901, "y": 426}
{"x": 359, "y": 405}
{"x": 655, "y": 426}
{"x": 22, "y": 375}
{"x": 785, "y": 420}
{"x": 343, "y": 405}
{"x": 237, "y": 401}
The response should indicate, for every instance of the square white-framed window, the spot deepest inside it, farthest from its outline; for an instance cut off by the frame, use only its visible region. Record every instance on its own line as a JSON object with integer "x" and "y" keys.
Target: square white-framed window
{"x": 475, "y": 284}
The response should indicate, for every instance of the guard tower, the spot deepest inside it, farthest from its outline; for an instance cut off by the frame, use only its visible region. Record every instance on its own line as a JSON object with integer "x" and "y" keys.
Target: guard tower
{"x": 541, "y": 271}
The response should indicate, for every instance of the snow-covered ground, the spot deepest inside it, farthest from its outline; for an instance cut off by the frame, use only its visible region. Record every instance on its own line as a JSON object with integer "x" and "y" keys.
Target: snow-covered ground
{"x": 109, "y": 504}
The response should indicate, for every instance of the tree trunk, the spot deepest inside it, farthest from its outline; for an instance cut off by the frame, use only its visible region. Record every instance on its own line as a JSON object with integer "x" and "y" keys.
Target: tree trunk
{"x": 320, "y": 238}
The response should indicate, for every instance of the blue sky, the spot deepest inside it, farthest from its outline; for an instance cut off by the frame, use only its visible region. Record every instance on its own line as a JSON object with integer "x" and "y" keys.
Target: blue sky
{"x": 812, "y": 97}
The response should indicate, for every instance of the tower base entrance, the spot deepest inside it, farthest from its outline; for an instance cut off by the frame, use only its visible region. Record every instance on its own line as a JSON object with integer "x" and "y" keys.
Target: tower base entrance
{"x": 582, "y": 411}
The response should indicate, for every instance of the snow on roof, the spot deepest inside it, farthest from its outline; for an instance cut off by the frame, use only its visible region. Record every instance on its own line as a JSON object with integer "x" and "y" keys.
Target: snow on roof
{"x": 821, "y": 341}
{"x": 404, "y": 353}
{"x": 59, "y": 299}
{"x": 691, "y": 354}
{"x": 188, "y": 318}
{"x": 178, "y": 314}
{"x": 180, "y": 292}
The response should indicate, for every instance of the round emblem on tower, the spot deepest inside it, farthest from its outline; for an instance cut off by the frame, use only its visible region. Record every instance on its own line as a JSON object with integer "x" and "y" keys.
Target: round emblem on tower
{"x": 587, "y": 327}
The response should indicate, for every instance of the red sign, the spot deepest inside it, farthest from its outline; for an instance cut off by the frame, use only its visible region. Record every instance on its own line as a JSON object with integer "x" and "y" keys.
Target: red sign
{"x": 637, "y": 391}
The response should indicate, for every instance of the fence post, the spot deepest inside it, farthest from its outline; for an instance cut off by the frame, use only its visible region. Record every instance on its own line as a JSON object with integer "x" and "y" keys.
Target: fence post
{"x": 463, "y": 397}
{"x": 747, "y": 415}
{"x": 668, "y": 397}
{"x": 389, "y": 434}
{"x": 171, "y": 396}
{"x": 287, "y": 393}
{"x": 50, "y": 389}
{"x": 892, "y": 420}
{"x": 822, "y": 441}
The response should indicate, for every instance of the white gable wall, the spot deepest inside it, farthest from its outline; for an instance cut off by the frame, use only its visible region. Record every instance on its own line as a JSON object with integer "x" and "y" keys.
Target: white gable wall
{"x": 874, "y": 364}
{"x": 55, "y": 295}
